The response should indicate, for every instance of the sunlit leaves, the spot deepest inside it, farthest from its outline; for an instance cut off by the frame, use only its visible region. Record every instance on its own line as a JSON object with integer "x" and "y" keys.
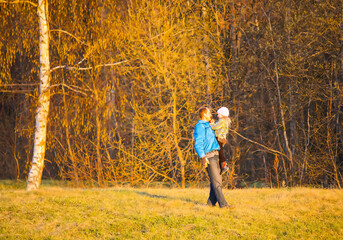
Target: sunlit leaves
{"x": 173, "y": 57}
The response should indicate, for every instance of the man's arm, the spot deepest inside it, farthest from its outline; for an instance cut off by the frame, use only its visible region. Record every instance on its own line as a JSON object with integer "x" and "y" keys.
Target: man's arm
{"x": 199, "y": 138}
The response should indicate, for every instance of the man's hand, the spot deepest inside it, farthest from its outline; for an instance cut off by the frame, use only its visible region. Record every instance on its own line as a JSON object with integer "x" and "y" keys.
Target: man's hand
{"x": 204, "y": 161}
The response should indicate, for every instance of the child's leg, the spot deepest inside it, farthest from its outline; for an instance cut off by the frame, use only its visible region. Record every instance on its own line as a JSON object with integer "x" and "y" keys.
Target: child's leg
{"x": 222, "y": 160}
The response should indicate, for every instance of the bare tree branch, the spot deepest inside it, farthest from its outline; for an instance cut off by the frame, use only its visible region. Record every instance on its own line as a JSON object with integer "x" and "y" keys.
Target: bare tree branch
{"x": 68, "y": 33}
{"x": 148, "y": 166}
{"x": 88, "y": 68}
{"x": 19, "y": 84}
{"x": 16, "y": 91}
{"x": 259, "y": 144}
{"x": 69, "y": 87}
{"x": 13, "y": 2}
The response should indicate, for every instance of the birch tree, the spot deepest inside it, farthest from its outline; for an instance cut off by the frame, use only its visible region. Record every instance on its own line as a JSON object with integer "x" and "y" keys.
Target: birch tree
{"x": 35, "y": 174}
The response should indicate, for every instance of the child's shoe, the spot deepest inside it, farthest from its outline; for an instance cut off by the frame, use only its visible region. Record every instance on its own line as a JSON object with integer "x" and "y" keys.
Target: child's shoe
{"x": 224, "y": 169}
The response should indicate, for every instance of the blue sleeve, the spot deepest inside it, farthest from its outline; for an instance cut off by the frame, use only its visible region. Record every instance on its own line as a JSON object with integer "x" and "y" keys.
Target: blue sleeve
{"x": 199, "y": 138}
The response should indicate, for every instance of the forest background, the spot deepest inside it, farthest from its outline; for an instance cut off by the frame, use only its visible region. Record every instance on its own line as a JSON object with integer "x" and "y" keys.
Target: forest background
{"x": 128, "y": 77}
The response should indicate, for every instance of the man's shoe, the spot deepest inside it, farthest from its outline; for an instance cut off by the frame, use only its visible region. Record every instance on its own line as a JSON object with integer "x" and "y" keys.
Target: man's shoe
{"x": 224, "y": 170}
{"x": 209, "y": 204}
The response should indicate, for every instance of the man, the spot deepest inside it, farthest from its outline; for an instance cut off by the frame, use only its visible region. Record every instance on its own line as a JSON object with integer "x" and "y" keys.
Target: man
{"x": 207, "y": 148}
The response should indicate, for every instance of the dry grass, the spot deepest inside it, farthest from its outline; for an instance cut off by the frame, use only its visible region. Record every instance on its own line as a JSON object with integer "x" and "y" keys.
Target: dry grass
{"x": 140, "y": 213}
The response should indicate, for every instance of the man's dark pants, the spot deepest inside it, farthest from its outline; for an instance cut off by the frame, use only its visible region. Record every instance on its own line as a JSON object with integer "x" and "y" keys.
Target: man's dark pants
{"x": 216, "y": 192}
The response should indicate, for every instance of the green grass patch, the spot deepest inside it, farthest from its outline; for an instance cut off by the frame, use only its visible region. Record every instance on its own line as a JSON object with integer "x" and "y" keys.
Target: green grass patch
{"x": 63, "y": 212}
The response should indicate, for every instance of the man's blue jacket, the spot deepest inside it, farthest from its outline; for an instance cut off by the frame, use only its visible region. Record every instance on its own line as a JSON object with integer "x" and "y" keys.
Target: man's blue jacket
{"x": 205, "y": 140}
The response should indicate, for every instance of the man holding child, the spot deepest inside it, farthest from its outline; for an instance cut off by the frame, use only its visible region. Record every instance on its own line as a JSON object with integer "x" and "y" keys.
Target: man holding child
{"x": 207, "y": 149}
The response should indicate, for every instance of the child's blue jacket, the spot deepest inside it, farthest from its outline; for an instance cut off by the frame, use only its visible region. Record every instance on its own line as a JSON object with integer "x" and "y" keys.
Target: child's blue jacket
{"x": 205, "y": 140}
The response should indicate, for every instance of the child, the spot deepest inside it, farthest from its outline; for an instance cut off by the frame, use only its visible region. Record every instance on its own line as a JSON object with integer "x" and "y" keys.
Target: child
{"x": 221, "y": 128}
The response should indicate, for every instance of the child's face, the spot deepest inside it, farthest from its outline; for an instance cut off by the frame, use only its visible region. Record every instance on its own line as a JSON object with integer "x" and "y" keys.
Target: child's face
{"x": 220, "y": 116}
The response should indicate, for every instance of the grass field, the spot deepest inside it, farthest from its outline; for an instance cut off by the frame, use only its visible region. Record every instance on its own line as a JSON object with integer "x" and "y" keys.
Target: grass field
{"x": 161, "y": 213}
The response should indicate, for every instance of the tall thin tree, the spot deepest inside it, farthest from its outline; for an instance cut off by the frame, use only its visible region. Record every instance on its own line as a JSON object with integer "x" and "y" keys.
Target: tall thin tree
{"x": 35, "y": 174}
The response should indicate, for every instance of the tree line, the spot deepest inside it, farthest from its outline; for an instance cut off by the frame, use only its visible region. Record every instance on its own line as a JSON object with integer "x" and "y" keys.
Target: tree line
{"x": 125, "y": 80}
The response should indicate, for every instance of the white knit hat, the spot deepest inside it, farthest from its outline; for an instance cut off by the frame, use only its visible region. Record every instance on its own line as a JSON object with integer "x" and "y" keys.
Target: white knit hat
{"x": 223, "y": 111}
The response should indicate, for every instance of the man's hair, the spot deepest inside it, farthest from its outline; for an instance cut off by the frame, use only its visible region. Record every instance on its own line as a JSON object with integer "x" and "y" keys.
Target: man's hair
{"x": 202, "y": 111}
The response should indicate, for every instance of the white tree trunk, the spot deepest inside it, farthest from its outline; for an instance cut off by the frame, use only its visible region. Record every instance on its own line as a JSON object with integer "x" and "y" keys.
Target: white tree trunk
{"x": 35, "y": 174}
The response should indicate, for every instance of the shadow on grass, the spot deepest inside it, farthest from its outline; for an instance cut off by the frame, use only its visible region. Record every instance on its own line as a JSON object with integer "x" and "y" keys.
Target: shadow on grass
{"x": 167, "y": 197}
